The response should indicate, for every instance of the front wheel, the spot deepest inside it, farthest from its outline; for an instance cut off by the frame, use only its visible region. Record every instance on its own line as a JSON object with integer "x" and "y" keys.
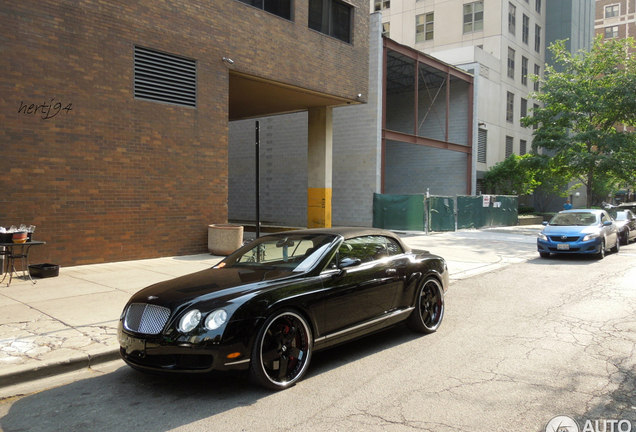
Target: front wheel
{"x": 429, "y": 307}
{"x": 601, "y": 253}
{"x": 544, "y": 254}
{"x": 617, "y": 245}
{"x": 282, "y": 351}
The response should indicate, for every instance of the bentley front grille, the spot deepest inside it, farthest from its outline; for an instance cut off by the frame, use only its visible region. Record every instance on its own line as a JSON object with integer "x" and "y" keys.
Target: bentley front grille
{"x": 146, "y": 318}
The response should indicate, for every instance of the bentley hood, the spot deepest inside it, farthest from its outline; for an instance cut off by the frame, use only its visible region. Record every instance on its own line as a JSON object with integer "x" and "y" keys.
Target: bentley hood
{"x": 215, "y": 283}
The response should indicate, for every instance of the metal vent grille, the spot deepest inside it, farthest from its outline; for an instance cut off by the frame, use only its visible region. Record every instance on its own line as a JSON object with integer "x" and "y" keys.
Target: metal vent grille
{"x": 165, "y": 78}
{"x": 482, "y": 145}
{"x": 146, "y": 318}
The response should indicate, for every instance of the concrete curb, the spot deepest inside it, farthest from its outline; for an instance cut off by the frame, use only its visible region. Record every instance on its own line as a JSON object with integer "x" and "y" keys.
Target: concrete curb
{"x": 21, "y": 374}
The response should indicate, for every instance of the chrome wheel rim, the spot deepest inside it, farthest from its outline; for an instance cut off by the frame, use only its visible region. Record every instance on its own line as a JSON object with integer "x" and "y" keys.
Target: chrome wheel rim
{"x": 285, "y": 348}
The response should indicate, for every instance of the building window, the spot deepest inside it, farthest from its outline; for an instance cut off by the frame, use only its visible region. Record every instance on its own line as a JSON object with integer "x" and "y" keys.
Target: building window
{"x": 524, "y": 107}
{"x": 537, "y": 38}
{"x": 524, "y": 71}
{"x": 424, "y": 27}
{"x": 525, "y": 30}
{"x": 482, "y": 145}
{"x": 511, "y": 63}
{"x": 382, "y": 4}
{"x": 473, "y": 16}
{"x": 512, "y": 18}
{"x": 510, "y": 107}
{"x": 509, "y": 141}
{"x": 523, "y": 147}
{"x": 162, "y": 77}
{"x": 537, "y": 72}
{"x": 537, "y": 7}
{"x": 611, "y": 32}
{"x": 386, "y": 29}
{"x": 331, "y": 17}
{"x": 535, "y": 107}
{"x": 281, "y": 8}
{"x": 612, "y": 11}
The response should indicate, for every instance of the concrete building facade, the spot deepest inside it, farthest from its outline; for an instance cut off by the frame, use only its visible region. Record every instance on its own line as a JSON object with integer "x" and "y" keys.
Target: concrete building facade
{"x": 114, "y": 136}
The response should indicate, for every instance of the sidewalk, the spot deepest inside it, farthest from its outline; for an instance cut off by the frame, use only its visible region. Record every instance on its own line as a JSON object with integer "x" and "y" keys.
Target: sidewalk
{"x": 69, "y": 322}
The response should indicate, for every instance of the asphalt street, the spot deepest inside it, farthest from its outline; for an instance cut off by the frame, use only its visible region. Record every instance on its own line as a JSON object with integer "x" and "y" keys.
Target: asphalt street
{"x": 524, "y": 340}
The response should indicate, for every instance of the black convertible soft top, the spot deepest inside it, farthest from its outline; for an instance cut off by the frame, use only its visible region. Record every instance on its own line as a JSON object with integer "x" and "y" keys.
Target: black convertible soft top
{"x": 347, "y": 233}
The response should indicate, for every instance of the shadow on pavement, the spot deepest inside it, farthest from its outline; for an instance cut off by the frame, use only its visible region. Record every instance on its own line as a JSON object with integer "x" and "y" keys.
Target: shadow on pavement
{"x": 130, "y": 400}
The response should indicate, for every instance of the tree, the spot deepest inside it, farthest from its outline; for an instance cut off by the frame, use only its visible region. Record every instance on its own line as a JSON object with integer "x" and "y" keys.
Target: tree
{"x": 513, "y": 176}
{"x": 581, "y": 106}
{"x": 552, "y": 178}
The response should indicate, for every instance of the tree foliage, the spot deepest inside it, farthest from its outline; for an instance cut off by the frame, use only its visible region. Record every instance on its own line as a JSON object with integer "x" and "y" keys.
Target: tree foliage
{"x": 513, "y": 176}
{"x": 581, "y": 105}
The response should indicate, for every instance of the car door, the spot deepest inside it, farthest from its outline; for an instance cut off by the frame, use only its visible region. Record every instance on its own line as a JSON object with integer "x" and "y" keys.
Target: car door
{"x": 611, "y": 231}
{"x": 361, "y": 293}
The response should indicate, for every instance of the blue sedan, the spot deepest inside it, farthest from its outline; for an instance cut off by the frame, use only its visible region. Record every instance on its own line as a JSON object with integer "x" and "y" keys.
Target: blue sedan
{"x": 579, "y": 232}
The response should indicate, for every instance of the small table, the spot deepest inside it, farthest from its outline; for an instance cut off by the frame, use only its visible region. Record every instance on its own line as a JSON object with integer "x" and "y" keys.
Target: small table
{"x": 13, "y": 251}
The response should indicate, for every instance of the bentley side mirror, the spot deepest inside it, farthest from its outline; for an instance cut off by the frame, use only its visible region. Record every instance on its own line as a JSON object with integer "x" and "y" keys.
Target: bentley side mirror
{"x": 545, "y": 223}
{"x": 344, "y": 264}
{"x": 607, "y": 223}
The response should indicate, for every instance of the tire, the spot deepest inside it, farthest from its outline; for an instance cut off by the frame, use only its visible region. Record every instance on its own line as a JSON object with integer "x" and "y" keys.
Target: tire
{"x": 429, "y": 307}
{"x": 601, "y": 254}
{"x": 282, "y": 351}
{"x": 617, "y": 245}
{"x": 625, "y": 238}
{"x": 544, "y": 254}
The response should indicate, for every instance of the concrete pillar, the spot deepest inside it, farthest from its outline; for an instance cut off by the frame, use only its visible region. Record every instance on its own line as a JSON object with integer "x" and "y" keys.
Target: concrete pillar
{"x": 319, "y": 167}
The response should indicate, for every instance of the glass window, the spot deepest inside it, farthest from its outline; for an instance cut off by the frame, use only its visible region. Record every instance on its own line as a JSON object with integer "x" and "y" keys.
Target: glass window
{"x": 386, "y": 29}
{"x": 511, "y": 63}
{"x": 282, "y": 8}
{"x": 509, "y": 141}
{"x": 524, "y": 107}
{"x": 473, "y": 16}
{"x": 382, "y": 4}
{"x": 525, "y": 30}
{"x": 537, "y": 38}
{"x": 331, "y": 17}
{"x": 537, "y": 7}
{"x": 612, "y": 11}
{"x": 524, "y": 71}
{"x": 611, "y": 32}
{"x": 424, "y": 27}
{"x": 523, "y": 144}
{"x": 537, "y": 72}
{"x": 512, "y": 18}
{"x": 535, "y": 108}
{"x": 368, "y": 248}
{"x": 510, "y": 107}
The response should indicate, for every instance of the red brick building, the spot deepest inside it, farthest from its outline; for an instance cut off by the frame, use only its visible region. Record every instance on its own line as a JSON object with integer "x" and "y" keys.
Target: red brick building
{"x": 114, "y": 115}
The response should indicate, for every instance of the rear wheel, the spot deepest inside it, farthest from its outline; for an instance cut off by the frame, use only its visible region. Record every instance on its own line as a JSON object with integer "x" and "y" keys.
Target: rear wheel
{"x": 429, "y": 307}
{"x": 617, "y": 245}
{"x": 282, "y": 351}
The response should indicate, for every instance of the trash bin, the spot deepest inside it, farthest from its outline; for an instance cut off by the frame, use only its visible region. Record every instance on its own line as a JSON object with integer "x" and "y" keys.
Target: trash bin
{"x": 223, "y": 239}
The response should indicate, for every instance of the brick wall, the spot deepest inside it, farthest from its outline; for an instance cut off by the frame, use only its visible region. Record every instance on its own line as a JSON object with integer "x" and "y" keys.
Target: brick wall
{"x": 118, "y": 178}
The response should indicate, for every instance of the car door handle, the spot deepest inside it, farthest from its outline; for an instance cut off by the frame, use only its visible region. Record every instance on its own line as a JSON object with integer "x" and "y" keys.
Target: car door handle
{"x": 391, "y": 271}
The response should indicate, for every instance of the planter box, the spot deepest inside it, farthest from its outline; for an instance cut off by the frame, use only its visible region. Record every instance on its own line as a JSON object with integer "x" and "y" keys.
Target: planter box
{"x": 44, "y": 270}
{"x": 224, "y": 239}
{"x": 530, "y": 220}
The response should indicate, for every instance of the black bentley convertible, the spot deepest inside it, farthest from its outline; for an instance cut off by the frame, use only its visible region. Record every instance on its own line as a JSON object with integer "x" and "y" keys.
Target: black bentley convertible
{"x": 269, "y": 305}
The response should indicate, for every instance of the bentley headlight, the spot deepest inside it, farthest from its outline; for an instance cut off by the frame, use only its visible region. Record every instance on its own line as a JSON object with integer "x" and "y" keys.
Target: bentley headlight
{"x": 590, "y": 237}
{"x": 216, "y": 319}
{"x": 542, "y": 237}
{"x": 189, "y": 321}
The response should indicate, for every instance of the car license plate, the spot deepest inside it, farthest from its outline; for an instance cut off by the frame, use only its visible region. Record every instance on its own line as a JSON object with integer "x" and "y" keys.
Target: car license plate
{"x": 563, "y": 246}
